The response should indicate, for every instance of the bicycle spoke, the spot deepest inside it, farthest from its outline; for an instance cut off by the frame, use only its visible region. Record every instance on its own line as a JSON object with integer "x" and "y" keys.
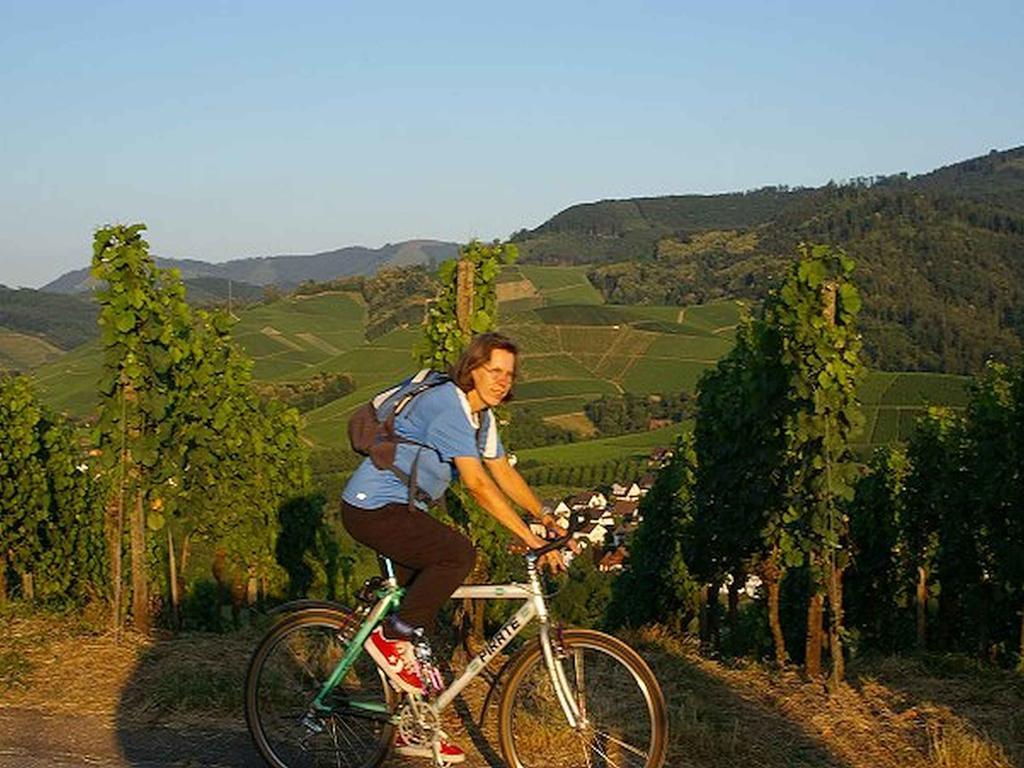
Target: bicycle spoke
{"x": 333, "y": 730}
{"x": 625, "y": 745}
{"x": 608, "y": 762}
{"x": 586, "y": 754}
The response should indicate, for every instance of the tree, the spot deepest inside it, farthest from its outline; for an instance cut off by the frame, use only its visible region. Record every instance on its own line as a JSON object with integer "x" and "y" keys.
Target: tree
{"x": 144, "y": 322}
{"x": 50, "y": 531}
{"x": 658, "y": 585}
{"x": 23, "y": 491}
{"x": 773, "y": 430}
{"x": 186, "y": 440}
{"x": 583, "y": 599}
{"x": 815, "y": 311}
{"x": 992, "y": 503}
{"x": 875, "y": 586}
{"x": 933, "y": 493}
{"x": 1012, "y": 554}
{"x": 741, "y": 514}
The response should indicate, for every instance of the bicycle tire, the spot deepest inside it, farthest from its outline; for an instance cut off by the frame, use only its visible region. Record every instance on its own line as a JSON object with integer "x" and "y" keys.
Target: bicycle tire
{"x": 625, "y": 709}
{"x": 286, "y": 672}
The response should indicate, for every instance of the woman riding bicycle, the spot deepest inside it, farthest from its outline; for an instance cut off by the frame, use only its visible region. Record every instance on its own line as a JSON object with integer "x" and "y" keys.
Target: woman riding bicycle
{"x": 453, "y": 420}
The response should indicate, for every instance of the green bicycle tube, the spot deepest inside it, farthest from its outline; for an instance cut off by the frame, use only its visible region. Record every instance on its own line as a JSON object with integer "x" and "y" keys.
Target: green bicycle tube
{"x": 356, "y": 647}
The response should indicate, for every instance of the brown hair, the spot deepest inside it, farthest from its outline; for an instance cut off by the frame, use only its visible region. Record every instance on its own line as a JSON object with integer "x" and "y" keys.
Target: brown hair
{"x": 479, "y": 352}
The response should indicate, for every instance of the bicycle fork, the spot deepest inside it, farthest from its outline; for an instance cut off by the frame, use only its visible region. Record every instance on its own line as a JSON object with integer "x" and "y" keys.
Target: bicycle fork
{"x": 554, "y": 666}
{"x": 563, "y": 690}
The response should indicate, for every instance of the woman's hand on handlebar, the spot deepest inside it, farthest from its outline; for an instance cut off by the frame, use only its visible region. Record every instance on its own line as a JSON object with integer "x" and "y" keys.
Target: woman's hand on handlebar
{"x": 553, "y": 562}
{"x": 556, "y": 531}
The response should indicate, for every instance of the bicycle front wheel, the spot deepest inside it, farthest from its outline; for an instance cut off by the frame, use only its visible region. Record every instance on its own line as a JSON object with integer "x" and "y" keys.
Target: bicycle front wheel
{"x": 625, "y": 724}
{"x": 287, "y": 671}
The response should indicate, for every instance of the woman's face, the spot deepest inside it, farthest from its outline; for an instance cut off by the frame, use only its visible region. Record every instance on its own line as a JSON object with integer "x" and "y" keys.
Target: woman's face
{"x": 493, "y": 379}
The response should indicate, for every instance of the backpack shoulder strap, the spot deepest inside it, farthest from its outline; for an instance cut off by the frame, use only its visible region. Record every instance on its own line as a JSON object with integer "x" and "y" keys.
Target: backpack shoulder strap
{"x": 417, "y": 385}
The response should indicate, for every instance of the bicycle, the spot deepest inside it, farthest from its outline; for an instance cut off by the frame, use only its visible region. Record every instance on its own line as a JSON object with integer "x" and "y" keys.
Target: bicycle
{"x": 571, "y": 698}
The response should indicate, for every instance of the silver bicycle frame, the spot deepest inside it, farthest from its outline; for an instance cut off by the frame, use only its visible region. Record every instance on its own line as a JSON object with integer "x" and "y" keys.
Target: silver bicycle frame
{"x": 533, "y": 607}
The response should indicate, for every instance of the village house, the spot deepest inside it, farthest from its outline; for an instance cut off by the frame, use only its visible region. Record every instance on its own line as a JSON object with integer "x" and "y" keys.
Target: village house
{"x": 613, "y": 560}
{"x": 591, "y": 535}
{"x": 588, "y": 500}
{"x": 625, "y": 509}
{"x": 630, "y": 492}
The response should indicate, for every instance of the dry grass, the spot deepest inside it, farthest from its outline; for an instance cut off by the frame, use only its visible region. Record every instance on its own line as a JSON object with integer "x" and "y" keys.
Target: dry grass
{"x": 894, "y": 712}
{"x": 67, "y": 664}
{"x": 576, "y": 421}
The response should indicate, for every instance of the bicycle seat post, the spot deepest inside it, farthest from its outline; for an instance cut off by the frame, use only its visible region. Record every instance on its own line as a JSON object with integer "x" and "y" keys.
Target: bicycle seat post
{"x": 388, "y": 569}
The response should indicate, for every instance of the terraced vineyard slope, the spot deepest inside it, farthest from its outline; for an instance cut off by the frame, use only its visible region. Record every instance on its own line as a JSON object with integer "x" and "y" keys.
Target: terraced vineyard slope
{"x": 574, "y": 351}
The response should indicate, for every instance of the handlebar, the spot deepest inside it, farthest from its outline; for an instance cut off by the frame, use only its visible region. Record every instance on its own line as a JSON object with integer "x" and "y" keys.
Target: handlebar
{"x": 576, "y": 521}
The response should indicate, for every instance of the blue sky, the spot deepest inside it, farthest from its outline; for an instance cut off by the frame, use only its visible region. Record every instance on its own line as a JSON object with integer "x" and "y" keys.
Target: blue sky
{"x": 252, "y": 128}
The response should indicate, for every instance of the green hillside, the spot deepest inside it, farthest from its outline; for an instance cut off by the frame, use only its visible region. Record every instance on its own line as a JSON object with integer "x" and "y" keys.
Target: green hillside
{"x": 22, "y": 351}
{"x": 572, "y": 353}
{"x": 69, "y": 384}
{"x": 61, "y": 321}
{"x": 893, "y": 402}
{"x": 616, "y": 230}
{"x": 291, "y": 336}
{"x": 939, "y": 256}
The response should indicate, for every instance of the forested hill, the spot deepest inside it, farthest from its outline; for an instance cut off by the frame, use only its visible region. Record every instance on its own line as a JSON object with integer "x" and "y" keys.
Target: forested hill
{"x": 996, "y": 178}
{"x": 37, "y": 326}
{"x": 940, "y": 256}
{"x": 63, "y": 321}
{"x": 289, "y": 271}
{"x": 618, "y": 230}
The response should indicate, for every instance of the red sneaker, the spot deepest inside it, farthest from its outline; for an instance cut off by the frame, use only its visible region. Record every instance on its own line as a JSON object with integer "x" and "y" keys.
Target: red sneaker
{"x": 450, "y": 753}
{"x": 396, "y": 658}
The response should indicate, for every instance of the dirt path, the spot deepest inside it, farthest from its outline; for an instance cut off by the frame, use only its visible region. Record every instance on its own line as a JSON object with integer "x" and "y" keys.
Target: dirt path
{"x": 31, "y": 739}
{"x": 34, "y": 739}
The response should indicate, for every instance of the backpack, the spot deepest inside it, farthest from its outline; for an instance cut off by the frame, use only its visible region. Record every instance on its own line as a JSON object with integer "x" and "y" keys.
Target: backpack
{"x": 371, "y": 429}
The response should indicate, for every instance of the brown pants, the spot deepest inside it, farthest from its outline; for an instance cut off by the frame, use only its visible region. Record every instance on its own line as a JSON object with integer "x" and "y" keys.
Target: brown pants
{"x": 431, "y": 560}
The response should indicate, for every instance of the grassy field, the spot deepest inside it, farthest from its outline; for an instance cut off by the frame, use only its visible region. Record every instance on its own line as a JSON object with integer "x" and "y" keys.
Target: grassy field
{"x": 558, "y": 284}
{"x": 893, "y": 402}
{"x": 69, "y": 384}
{"x": 590, "y": 452}
{"x": 22, "y": 352}
{"x": 295, "y": 335}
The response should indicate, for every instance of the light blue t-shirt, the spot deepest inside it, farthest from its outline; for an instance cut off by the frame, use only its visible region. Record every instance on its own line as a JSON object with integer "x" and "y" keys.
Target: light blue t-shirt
{"x": 440, "y": 418}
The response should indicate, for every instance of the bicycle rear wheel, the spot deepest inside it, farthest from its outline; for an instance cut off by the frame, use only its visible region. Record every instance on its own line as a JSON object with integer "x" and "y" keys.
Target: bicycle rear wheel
{"x": 626, "y": 725}
{"x": 286, "y": 673}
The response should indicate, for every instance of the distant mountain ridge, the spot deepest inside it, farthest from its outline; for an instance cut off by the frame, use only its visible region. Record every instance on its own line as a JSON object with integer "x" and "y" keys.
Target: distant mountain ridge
{"x": 629, "y": 228}
{"x": 288, "y": 271}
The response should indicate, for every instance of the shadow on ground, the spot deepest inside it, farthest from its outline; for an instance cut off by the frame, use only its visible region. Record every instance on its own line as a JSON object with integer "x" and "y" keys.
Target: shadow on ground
{"x": 713, "y": 725}
{"x": 967, "y": 701}
{"x": 182, "y": 705}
